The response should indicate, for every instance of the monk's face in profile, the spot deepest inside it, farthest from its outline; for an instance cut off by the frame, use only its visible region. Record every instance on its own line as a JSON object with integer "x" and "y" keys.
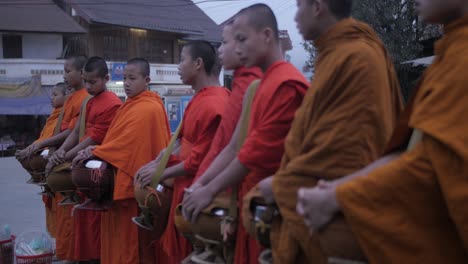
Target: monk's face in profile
{"x": 251, "y": 43}
{"x": 94, "y": 83}
{"x": 57, "y": 99}
{"x": 72, "y": 76}
{"x": 439, "y": 11}
{"x": 188, "y": 66}
{"x": 305, "y": 21}
{"x": 134, "y": 80}
{"x": 226, "y": 51}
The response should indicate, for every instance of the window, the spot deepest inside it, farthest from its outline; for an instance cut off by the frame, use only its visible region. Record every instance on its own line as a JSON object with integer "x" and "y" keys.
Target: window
{"x": 12, "y": 46}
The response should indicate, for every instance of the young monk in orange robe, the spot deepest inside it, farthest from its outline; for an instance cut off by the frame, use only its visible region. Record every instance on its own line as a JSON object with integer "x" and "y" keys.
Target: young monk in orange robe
{"x": 64, "y": 222}
{"x": 50, "y": 128}
{"x": 410, "y": 207}
{"x": 99, "y": 113}
{"x": 242, "y": 77}
{"x": 201, "y": 119}
{"x": 139, "y": 131}
{"x": 278, "y": 96}
{"x": 344, "y": 123}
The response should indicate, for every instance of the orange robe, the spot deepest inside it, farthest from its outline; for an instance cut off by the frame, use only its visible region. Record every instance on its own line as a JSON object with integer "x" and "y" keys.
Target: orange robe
{"x": 50, "y": 125}
{"x": 65, "y": 240}
{"x": 242, "y": 79}
{"x": 100, "y": 111}
{"x": 72, "y": 108}
{"x": 413, "y": 210}
{"x": 139, "y": 131}
{"x": 49, "y": 202}
{"x": 201, "y": 120}
{"x": 279, "y": 95}
{"x": 346, "y": 119}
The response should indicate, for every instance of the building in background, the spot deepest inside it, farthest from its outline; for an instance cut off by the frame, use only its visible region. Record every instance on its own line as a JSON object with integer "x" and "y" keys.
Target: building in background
{"x": 37, "y": 36}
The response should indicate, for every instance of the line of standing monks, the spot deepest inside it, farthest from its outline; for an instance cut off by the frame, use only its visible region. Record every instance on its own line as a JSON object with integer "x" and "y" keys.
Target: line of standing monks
{"x": 348, "y": 173}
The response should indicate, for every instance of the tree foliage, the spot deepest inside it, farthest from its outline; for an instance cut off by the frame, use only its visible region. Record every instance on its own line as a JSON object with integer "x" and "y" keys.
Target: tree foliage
{"x": 397, "y": 24}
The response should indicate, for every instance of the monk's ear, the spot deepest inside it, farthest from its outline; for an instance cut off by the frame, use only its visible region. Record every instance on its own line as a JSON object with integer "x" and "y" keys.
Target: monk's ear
{"x": 268, "y": 35}
{"x": 107, "y": 78}
{"x": 319, "y": 7}
{"x": 199, "y": 63}
{"x": 147, "y": 80}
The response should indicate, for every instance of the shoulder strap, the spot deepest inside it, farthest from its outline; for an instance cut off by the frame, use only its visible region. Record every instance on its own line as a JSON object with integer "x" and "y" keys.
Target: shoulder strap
{"x": 59, "y": 121}
{"x": 245, "y": 118}
{"x": 244, "y": 126}
{"x": 83, "y": 117}
{"x": 165, "y": 158}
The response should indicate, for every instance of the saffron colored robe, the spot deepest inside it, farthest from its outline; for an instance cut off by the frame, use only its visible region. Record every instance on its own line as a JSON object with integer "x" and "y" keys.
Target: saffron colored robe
{"x": 413, "y": 210}
{"x": 231, "y": 114}
{"x": 100, "y": 111}
{"x": 344, "y": 124}
{"x": 201, "y": 120}
{"x": 65, "y": 240}
{"x": 139, "y": 131}
{"x": 279, "y": 95}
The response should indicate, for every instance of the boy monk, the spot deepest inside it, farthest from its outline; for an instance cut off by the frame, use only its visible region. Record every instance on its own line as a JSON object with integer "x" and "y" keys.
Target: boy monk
{"x": 73, "y": 70}
{"x": 201, "y": 119}
{"x": 99, "y": 112}
{"x": 51, "y": 127}
{"x": 343, "y": 124}
{"x": 279, "y": 94}
{"x": 411, "y": 207}
{"x": 139, "y": 131}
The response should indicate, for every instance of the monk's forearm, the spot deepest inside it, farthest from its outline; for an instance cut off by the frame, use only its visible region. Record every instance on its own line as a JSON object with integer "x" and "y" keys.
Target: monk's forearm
{"x": 232, "y": 175}
{"x": 56, "y": 140}
{"x": 369, "y": 168}
{"x": 71, "y": 141}
{"x": 227, "y": 155}
{"x": 174, "y": 171}
{"x": 71, "y": 154}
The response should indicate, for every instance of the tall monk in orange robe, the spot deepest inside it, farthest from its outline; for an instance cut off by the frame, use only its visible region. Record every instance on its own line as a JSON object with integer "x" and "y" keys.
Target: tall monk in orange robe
{"x": 201, "y": 119}
{"x": 99, "y": 113}
{"x": 344, "y": 123}
{"x": 51, "y": 128}
{"x": 139, "y": 131}
{"x": 410, "y": 207}
{"x": 279, "y": 94}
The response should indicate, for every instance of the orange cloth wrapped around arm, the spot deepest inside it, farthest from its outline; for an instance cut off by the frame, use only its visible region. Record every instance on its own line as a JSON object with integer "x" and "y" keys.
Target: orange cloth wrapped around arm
{"x": 100, "y": 112}
{"x": 414, "y": 209}
{"x": 346, "y": 118}
{"x": 72, "y": 109}
{"x": 50, "y": 125}
{"x": 137, "y": 134}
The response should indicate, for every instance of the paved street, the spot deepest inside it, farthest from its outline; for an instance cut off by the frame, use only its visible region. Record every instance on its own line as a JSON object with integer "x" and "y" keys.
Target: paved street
{"x": 20, "y": 206}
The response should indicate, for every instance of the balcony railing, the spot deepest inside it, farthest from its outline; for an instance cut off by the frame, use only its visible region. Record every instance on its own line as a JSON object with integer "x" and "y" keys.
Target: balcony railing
{"x": 51, "y": 71}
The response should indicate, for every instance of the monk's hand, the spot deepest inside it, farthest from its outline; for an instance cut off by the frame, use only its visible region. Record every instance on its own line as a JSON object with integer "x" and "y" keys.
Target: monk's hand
{"x": 159, "y": 157}
{"x": 317, "y": 205}
{"x": 48, "y": 168}
{"x": 21, "y": 154}
{"x": 145, "y": 174}
{"x": 197, "y": 200}
{"x": 190, "y": 190}
{"x": 58, "y": 157}
{"x": 33, "y": 148}
{"x": 265, "y": 187}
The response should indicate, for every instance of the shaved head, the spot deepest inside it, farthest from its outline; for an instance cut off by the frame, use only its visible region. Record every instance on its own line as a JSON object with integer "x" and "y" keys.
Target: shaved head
{"x": 260, "y": 16}
{"x": 142, "y": 64}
